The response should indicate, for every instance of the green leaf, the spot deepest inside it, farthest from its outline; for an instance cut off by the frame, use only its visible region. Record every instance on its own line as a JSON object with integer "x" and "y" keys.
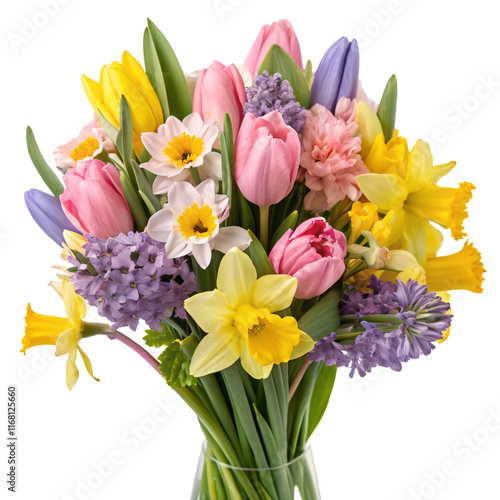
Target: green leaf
{"x": 246, "y": 216}
{"x": 110, "y": 131}
{"x": 321, "y": 396}
{"x": 46, "y": 173}
{"x": 179, "y": 99}
{"x": 125, "y": 136}
{"x": 154, "y": 338}
{"x": 259, "y": 257}
{"x": 174, "y": 366}
{"x": 145, "y": 187}
{"x": 133, "y": 200}
{"x": 154, "y": 72}
{"x": 387, "y": 108}
{"x": 279, "y": 61}
{"x": 308, "y": 73}
{"x": 323, "y": 318}
{"x": 288, "y": 223}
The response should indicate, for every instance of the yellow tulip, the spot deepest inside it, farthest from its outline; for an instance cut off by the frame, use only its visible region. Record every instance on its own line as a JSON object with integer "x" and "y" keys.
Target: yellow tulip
{"x": 416, "y": 200}
{"x": 369, "y": 127}
{"x": 129, "y": 79}
{"x": 64, "y": 333}
{"x": 239, "y": 321}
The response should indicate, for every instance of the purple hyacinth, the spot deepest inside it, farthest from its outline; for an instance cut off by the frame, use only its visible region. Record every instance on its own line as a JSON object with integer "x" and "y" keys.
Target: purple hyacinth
{"x": 417, "y": 320}
{"x": 129, "y": 278}
{"x": 271, "y": 93}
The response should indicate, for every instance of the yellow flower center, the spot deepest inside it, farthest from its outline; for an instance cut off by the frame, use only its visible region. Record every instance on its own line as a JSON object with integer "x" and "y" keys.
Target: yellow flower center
{"x": 184, "y": 149}
{"x": 85, "y": 149}
{"x": 196, "y": 221}
{"x": 270, "y": 339}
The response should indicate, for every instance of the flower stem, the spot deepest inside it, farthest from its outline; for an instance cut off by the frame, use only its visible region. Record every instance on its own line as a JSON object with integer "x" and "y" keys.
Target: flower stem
{"x": 264, "y": 226}
{"x": 116, "y": 335}
{"x": 296, "y": 381}
{"x": 195, "y": 175}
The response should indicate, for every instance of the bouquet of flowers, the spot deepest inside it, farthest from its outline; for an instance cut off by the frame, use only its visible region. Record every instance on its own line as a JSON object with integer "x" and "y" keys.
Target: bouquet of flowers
{"x": 266, "y": 225}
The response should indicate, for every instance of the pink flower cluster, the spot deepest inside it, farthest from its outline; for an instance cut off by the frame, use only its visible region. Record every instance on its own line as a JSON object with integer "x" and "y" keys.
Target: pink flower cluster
{"x": 330, "y": 158}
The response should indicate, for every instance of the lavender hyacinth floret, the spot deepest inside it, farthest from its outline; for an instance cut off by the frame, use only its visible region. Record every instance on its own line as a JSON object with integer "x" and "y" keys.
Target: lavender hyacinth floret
{"x": 271, "y": 93}
{"x": 129, "y": 278}
{"x": 417, "y": 320}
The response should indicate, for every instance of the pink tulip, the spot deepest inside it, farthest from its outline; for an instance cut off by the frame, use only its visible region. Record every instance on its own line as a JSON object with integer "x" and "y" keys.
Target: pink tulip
{"x": 313, "y": 253}
{"x": 267, "y": 157}
{"x": 93, "y": 199}
{"x": 280, "y": 33}
{"x": 220, "y": 90}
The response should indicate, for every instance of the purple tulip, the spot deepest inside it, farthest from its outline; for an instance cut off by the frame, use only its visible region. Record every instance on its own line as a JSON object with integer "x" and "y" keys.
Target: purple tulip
{"x": 47, "y": 212}
{"x": 337, "y": 74}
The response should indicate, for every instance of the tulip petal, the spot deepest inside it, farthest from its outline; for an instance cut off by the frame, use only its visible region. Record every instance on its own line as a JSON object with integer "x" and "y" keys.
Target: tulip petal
{"x": 210, "y": 310}
{"x": 253, "y": 367}
{"x": 274, "y": 291}
{"x": 216, "y": 352}
{"x": 230, "y": 237}
{"x": 235, "y": 278}
{"x": 387, "y": 191}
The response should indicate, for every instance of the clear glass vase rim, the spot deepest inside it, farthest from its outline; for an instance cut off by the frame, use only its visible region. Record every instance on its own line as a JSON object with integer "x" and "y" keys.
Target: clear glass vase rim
{"x": 249, "y": 469}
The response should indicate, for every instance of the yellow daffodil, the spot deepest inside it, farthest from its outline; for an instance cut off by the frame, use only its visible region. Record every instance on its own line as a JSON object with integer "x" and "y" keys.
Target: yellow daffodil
{"x": 460, "y": 271}
{"x": 64, "y": 333}
{"x": 447, "y": 298}
{"x": 390, "y": 158}
{"x": 364, "y": 217}
{"x": 128, "y": 79}
{"x": 416, "y": 200}
{"x": 238, "y": 318}
{"x": 73, "y": 241}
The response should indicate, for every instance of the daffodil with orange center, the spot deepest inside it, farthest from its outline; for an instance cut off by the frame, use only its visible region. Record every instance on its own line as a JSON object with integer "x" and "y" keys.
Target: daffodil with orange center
{"x": 240, "y": 320}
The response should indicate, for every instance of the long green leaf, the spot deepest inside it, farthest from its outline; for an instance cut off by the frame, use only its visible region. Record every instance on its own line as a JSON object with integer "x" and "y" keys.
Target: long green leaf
{"x": 133, "y": 200}
{"x": 321, "y": 396}
{"x": 387, "y": 108}
{"x": 179, "y": 99}
{"x": 125, "y": 137}
{"x": 259, "y": 257}
{"x": 288, "y": 223}
{"x": 323, "y": 318}
{"x": 154, "y": 72}
{"x": 279, "y": 61}
{"x": 46, "y": 173}
{"x": 110, "y": 130}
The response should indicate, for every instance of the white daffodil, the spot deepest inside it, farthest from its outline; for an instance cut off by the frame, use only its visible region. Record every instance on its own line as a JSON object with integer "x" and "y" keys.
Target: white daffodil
{"x": 190, "y": 223}
{"x": 179, "y": 146}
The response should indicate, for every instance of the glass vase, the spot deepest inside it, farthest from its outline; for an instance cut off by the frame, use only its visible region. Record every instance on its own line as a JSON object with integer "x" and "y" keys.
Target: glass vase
{"x": 295, "y": 480}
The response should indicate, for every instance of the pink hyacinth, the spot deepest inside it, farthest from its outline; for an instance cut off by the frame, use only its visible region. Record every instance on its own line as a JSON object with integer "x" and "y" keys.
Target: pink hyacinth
{"x": 330, "y": 159}
{"x": 313, "y": 253}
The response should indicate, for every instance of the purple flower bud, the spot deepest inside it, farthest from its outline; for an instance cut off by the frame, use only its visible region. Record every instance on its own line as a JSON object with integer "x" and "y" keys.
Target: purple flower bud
{"x": 337, "y": 74}
{"x": 47, "y": 212}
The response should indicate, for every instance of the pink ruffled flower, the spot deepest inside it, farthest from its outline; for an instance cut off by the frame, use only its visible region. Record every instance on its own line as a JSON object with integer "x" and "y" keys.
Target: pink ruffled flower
{"x": 313, "y": 253}
{"x": 330, "y": 159}
{"x": 90, "y": 142}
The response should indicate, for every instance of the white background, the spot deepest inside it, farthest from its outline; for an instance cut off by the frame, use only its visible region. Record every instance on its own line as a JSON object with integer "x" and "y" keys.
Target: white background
{"x": 382, "y": 437}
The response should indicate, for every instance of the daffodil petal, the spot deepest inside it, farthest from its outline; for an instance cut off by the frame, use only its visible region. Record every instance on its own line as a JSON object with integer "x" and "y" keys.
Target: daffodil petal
{"x": 216, "y": 352}
{"x": 72, "y": 372}
{"x": 253, "y": 367}
{"x": 230, "y": 237}
{"x": 203, "y": 254}
{"x": 420, "y": 166}
{"x": 73, "y": 303}
{"x": 387, "y": 191}
{"x": 414, "y": 236}
{"x": 67, "y": 341}
{"x": 236, "y": 276}
{"x": 305, "y": 345}
{"x": 210, "y": 310}
{"x": 274, "y": 291}
{"x": 87, "y": 363}
{"x": 434, "y": 239}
